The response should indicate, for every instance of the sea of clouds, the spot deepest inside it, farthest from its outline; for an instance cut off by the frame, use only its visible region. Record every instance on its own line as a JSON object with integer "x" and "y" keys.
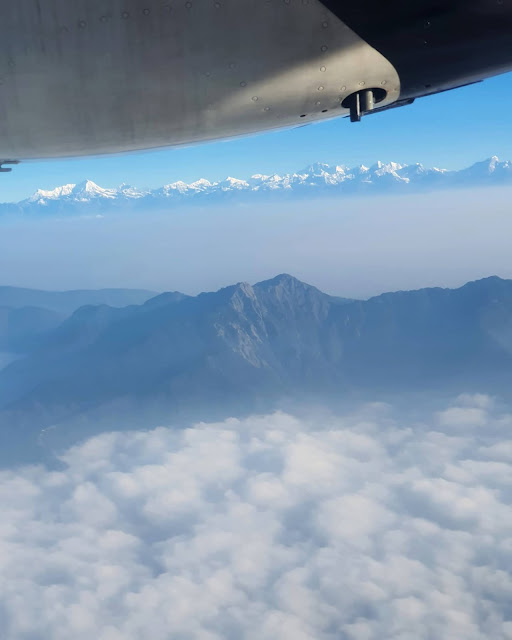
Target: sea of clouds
{"x": 368, "y": 526}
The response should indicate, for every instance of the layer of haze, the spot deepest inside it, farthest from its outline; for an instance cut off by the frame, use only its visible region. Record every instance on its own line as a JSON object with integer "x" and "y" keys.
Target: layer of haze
{"x": 353, "y": 248}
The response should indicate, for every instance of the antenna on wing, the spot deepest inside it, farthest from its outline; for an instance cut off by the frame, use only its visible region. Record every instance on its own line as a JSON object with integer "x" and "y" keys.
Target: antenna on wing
{"x": 362, "y": 102}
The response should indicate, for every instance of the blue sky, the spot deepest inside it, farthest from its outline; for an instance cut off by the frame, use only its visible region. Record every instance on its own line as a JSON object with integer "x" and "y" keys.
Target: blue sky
{"x": 451, "y": 130}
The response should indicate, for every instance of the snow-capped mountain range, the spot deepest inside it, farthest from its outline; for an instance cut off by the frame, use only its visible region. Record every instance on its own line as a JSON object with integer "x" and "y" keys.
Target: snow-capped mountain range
{"x": 316, "y": 180}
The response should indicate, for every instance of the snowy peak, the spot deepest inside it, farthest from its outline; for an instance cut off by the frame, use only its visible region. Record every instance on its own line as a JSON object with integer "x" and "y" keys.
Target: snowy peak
{"x": 127, "y": 191}
{"x": 315, "y": 180}
{"x": 493, "y": 163}
{"x": 89, "y": 189}
{"x": 87, "y": 186}
{"x": 200, "y": 185}
{"x": 82, "y": 192}
{"x": 317, "y": 169}
{"x": 230, "y": 184}
{"x": 41, "y": 195}
{"x": 486, "y": 166}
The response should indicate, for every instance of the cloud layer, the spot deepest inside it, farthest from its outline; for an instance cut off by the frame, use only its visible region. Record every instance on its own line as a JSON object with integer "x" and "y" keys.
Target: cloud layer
{"x": 361, "y": 527}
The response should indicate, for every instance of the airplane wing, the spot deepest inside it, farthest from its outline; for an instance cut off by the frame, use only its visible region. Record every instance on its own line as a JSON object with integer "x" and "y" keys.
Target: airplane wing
{"x": 107, "y": 76}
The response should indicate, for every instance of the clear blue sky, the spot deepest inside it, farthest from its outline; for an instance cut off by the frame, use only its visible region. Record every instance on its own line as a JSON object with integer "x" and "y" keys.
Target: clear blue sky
{"x": 450, "y": 130}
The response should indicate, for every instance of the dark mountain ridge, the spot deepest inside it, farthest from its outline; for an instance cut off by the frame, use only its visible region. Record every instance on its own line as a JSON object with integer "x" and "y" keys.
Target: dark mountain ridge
{"x": 28, "y": 315}
{"x": 245, "y": 347}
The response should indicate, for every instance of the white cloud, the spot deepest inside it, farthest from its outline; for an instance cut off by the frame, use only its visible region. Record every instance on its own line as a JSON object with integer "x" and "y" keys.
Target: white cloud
{"x": 272, "y": 528}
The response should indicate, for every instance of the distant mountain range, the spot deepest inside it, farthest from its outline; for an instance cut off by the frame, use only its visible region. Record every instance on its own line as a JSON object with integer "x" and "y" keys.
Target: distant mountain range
{"x": 68, "y": 301}
{"x": 244, "y": 348}
{"x": 87, "y": 198}
{"x": 25, "y": 314}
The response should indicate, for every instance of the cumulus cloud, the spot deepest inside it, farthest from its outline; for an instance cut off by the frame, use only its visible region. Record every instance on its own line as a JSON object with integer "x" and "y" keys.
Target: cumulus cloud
{"x": 361, "y": 527}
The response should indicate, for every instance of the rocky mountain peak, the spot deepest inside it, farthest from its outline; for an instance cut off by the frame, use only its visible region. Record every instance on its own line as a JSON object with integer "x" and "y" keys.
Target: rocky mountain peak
{"x": 282, "y": 281}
